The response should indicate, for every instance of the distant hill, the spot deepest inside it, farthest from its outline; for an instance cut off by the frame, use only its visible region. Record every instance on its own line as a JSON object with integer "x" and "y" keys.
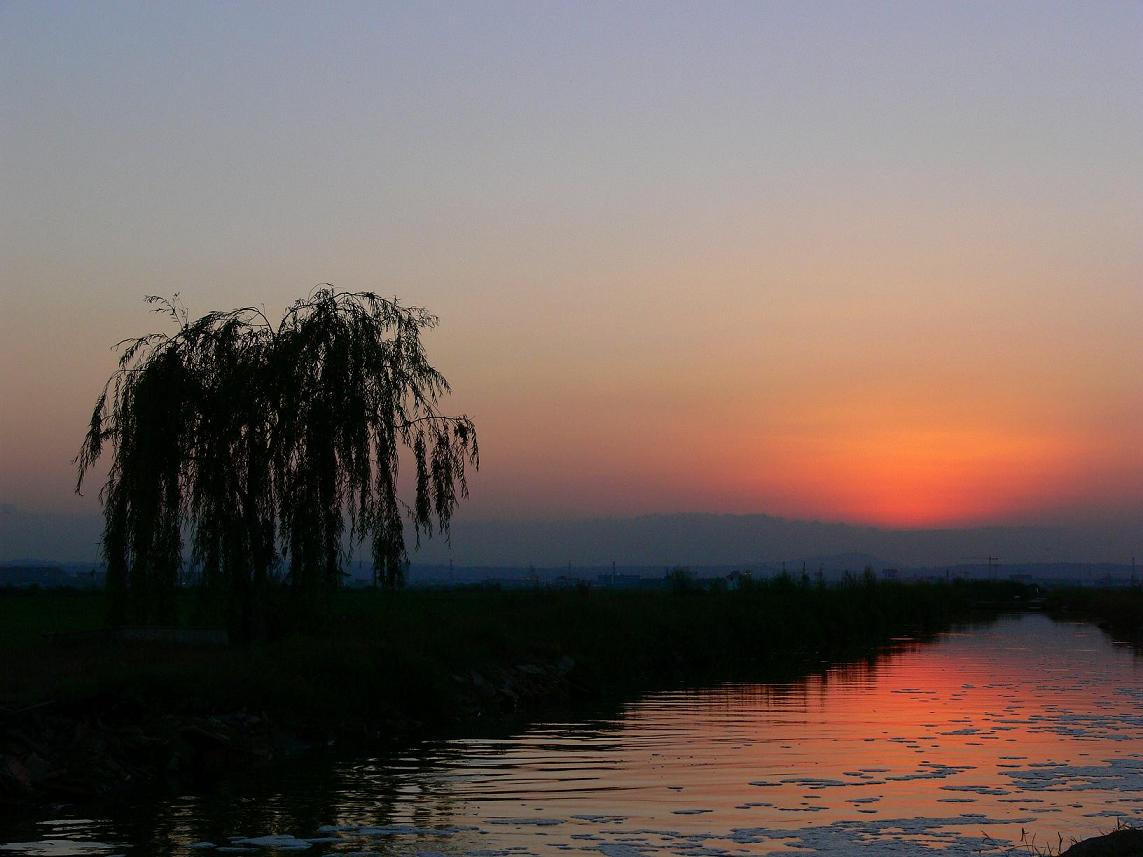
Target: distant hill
{"x": 657, "y": 541}
{"x": 59, "y": 537}
{"x": 21, "y": 574}
{"x": 718, "y": 540}
{"x": 33, "y": 572}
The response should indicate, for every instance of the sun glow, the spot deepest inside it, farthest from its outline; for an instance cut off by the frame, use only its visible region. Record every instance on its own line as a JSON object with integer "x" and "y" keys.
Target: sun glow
{"x": 917, "y": 477}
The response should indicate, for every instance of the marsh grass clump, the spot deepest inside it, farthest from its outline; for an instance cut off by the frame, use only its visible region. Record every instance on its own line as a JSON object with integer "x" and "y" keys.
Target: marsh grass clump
{"x": 1124, "y": 841}
{"x": 263, "y": 442}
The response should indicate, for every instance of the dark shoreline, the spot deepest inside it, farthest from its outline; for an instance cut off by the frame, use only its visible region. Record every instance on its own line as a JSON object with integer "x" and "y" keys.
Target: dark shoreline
{"x": 1125, "y": 842}
{"x": 100, "y": 724}
{"x": 1118, "y": 612}
{"x": 92, "y": 719}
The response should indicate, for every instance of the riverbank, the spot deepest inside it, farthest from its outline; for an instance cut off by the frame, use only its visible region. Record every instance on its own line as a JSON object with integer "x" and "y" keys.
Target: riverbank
{"x": 1119, "y": 612}
{"x": 93, "y": 716}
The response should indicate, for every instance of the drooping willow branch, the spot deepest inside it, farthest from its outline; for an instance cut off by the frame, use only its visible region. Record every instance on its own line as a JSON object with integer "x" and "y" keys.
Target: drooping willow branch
{"x": 268, "y": 440}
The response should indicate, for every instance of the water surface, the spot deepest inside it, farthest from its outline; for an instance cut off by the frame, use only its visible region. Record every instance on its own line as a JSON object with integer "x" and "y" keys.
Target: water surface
{"x": 958, "y": 746}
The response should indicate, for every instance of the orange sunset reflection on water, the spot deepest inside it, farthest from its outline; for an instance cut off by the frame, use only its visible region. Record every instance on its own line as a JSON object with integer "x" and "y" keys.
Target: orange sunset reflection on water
{"x": 951, "y": 747}
{"x": 960, "y": 745}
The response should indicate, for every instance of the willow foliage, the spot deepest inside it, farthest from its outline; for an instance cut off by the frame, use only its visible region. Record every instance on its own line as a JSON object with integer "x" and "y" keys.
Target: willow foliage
{"x": 262, "y": 444}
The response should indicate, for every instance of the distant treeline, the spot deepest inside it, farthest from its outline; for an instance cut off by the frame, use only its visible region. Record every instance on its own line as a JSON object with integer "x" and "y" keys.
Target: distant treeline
{"x": 359, "y": 573}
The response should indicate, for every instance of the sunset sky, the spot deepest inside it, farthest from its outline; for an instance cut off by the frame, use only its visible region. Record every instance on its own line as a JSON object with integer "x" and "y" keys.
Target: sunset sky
{"x": 867, "y": 262}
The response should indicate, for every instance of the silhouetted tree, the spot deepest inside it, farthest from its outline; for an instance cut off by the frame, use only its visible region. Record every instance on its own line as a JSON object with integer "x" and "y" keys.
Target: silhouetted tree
{"x": 265, "y": 440}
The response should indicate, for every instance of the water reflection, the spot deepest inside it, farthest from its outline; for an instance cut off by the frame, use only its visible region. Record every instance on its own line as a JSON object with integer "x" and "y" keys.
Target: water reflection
{"x": 956, "y": 745}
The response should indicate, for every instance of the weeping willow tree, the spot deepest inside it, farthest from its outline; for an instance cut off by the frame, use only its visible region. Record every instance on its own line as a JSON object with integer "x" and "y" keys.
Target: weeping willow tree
{"x": 271, "y": 447}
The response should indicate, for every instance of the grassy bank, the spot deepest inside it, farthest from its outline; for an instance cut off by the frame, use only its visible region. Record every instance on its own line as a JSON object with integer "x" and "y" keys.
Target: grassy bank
{"x": 1117, "y": 611}
{"x": 404, "y": 651}
{"x": 397, "y": 665}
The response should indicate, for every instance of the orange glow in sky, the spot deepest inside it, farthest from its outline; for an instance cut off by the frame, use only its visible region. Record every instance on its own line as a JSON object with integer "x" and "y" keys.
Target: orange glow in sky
{"x": 868, "y": 264}
{"x": 904, "y": 478}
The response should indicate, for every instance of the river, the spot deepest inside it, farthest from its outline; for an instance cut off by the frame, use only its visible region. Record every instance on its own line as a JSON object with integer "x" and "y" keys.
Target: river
{"x": 1024, "y": 727}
